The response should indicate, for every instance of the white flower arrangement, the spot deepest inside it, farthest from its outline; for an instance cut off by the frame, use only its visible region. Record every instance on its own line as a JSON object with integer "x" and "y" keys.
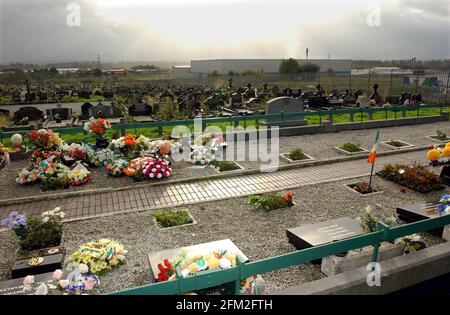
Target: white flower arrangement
{"x": 53, "y": 214}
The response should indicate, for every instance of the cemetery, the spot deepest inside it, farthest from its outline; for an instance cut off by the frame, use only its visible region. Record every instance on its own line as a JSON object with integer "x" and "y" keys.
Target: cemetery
{"x": 147, "y": 220}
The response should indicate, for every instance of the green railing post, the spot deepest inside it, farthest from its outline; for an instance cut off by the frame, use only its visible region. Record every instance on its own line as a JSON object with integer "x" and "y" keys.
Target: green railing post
{"x": 361, "y": 114}
{"x": 441, "y": 109}
{"x": 331, "y": 116}
{"x": 418, "y": 110}
{"x": 245, "y": 120}
{"x": 282, "y": 118}
{"x": 237, "y": 283}
{"x": 395, "y": 114}
{"x": 231, "y": 120}
{"x": 320, "y": 117}
{"x": 385, "y": 113}
{"x": 160, "y": 128}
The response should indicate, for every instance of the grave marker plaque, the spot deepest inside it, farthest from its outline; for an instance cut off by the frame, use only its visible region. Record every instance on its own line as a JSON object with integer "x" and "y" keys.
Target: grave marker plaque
{"x": 324, "y": 232}
{"x": 417, "y": 212}
{"x": 50, "y": 263}
{"x": 286, "y": 105}
{"x": 15, "y": 286}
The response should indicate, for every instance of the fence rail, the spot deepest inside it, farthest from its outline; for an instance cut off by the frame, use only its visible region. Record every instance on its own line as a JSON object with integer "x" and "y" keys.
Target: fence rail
{"x": 211, "y": 278}
{"x": 282, "y": 118}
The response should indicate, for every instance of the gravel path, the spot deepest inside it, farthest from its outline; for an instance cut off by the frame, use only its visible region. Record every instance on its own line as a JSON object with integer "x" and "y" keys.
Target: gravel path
{"x": 256, "y": 233}
{"x": 320, "y": 146}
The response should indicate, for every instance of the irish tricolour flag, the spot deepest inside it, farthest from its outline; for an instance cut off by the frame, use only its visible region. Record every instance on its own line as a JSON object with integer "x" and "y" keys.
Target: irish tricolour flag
{"x": 373, "y": 152}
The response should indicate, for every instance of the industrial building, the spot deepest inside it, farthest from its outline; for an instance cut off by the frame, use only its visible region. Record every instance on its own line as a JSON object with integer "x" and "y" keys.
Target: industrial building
{"x": 224, "y": 66}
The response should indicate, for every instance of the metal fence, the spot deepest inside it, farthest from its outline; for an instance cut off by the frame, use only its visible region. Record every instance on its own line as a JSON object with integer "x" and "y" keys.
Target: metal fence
{"x": 316, "y": 117}
{"x": 212, "y": 278}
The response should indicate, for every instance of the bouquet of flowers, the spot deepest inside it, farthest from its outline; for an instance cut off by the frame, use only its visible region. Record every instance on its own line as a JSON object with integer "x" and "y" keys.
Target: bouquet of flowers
{"x": 203, "y": 155}
{"x": 79, "y": 283}
{"x": 100, "y": 256}
{"x": 439, "y": 156}
{"x": 79, "y": 176}
{"x": 190, "y": 265}
{"x": 44, "y": 139}
{"x": 4, "y": 155}
{"x": 39, "y": 155}
{"x": 444, "y": 205}
{"x": 97, "y": 126}
{"x": 101, "y": 157}
{"x": 124, "y": 145}
{"x": 36, "y": 232}
{"x": 134, "y": 168}
{"x": 116, "y": 167}
{"x": 17, "y": 143}
{"x": 76, "y": 152}
{"x": 156, "y": 169}
{"x": 27, "y": 176}
{"x": 53, "y": 175}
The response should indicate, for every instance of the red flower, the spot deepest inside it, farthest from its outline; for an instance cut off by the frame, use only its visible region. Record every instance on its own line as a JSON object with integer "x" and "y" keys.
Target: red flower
{"x": 402, "y": 189}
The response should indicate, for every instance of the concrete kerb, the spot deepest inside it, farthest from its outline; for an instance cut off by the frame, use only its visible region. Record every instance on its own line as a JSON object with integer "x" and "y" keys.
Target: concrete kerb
{"x": 396, "y": 274}
{"x": 15, "y": 201}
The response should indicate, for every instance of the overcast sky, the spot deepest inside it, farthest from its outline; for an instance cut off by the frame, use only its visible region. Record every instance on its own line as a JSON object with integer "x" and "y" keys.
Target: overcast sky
{"x": 181, "y": 30}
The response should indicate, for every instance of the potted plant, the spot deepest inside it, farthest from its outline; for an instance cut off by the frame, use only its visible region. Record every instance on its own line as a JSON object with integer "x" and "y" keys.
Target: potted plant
{"x": 272, "y": 201}
{"x": 35, "y": 233}
{"x": 441, "y": 157}
{"x": 98, "y": 127}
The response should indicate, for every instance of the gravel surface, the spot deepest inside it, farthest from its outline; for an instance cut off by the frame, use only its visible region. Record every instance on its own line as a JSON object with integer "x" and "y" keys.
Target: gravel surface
{"x": 257, "y": 233}
{"x": 319, "y": 146}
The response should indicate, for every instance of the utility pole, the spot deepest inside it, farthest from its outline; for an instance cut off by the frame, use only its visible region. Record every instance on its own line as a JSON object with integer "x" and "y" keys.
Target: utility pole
{"x": 446, "y": 89}
{"x": 368, "y": 84}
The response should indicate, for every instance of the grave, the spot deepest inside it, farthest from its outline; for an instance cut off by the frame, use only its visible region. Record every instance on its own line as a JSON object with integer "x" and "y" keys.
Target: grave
{"x": 85, "y": 110}
{"x": 417, "y": 212}
{"x": 286, "y": 105}
{"x": 63, "y": 113}
{"x": 311, "y": 235}
{"x": 30, "y": 112}
{"x": 24, "y": 267}
{"x": 445, "y": 175}
{"x": 199, "y": 249}
{"x": 15, "y": 286}
{"x": 140, "y": 109}
{"x": 104, "y": 111}
{"x": 84, "y": 94}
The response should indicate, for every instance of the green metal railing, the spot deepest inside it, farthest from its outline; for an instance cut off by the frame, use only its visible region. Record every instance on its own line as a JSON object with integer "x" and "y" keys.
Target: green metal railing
{"x": 280, "y": 118}
{"x": 212, "y": 278}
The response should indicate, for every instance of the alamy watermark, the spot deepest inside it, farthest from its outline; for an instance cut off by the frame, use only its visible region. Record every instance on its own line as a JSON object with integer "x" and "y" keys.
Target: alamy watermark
{"x": 242, "y": 144}
{"x": 73, "y": 18}
{"x": 374, "y": 14}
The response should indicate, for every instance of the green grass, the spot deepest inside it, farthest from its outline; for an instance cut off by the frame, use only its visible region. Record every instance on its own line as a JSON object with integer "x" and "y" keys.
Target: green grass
{"x": 168, "y": 218}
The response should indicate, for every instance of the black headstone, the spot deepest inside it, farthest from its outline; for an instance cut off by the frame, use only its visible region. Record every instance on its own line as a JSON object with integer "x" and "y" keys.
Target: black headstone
{"x": 445, "y": 175}
{"x": 29, "y": 111}
{"x": 21, "y": 268}
{"x": 140, "y": 109}
{"x": 101, "y": 110}
{"x": 85, "y": 109}
{"x": 417, "y": 212}
{"x": 324, "y": 232}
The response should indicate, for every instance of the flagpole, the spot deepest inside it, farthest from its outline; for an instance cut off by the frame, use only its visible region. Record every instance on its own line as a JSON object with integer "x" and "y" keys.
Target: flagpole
{"x": 371, "y": 173}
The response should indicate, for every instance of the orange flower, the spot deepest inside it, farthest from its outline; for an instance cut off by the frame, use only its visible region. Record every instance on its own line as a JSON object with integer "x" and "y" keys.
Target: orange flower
{"x": 129, "y": 140}
{"x": 288, "y": 196}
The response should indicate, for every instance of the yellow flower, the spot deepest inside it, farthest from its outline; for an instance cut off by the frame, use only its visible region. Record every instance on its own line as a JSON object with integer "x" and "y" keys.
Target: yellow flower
{"x": 433, "y": 155}
{"x": 446, "y": 150}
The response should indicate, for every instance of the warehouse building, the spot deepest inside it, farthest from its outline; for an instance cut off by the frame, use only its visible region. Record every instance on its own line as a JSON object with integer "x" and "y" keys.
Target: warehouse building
{"x": 224, "y": 66}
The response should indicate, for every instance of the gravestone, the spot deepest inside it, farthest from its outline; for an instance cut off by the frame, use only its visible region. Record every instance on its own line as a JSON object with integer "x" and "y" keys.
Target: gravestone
{"x": 236, "y": 100}
{"x": 417, "y": 212}
{"x": 30, "y": 112}
{"x": 63, "y": 113}
{"x": 317, "y": 101}
{"x": 85, "y": 110}
{"x": 101, "y": 110}
{"x": 307, "y": 236}
{"x": 4, "y": 112}
{"x": 15, "y": 286}
{"x": 199, "y": 249}
{"x": 394, "y": 100}
{"x": 84, "y": 94}
{"x": 140, "y": 109}
{"x": 116, "y": 111}
{"x": 286, "y": 105}
{"x": 445, "y": 175}
{"x": 21, "y": 267}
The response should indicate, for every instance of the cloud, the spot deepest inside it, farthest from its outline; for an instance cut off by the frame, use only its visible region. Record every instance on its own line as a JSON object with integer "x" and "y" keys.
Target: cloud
{"x": 36, "y": 31}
